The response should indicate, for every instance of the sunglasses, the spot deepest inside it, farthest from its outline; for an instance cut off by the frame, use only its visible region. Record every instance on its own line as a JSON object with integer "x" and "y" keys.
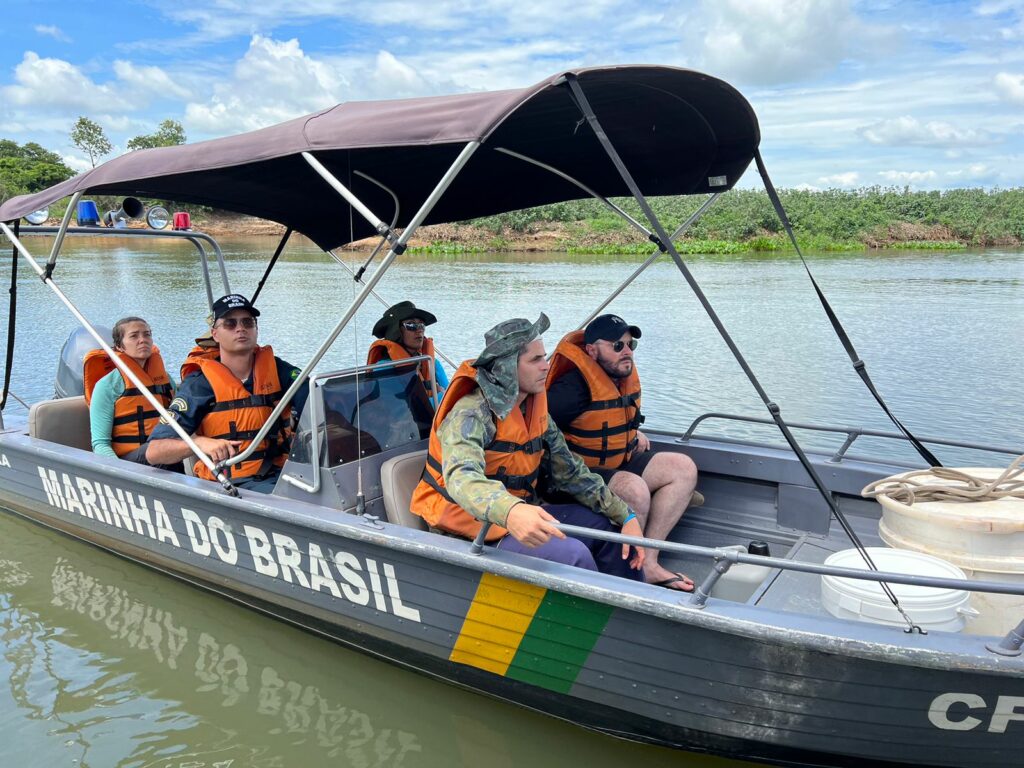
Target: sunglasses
{"x": 230, "y": 323}
{"x": 618, "y": 345}
{"x": 410, "y": 326}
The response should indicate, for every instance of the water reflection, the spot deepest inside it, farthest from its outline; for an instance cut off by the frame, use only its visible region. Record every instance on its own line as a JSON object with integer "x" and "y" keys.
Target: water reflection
{"x": 110, "y": 664}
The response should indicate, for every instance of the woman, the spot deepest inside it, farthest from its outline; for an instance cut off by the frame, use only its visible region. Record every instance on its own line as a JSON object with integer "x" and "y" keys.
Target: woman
{"x": 121, "y": 418}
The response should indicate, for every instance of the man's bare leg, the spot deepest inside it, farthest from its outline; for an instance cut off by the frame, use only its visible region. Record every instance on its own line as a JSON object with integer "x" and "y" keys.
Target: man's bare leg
{"x": 658, "y": 498}
{"x": 671, "y": 478}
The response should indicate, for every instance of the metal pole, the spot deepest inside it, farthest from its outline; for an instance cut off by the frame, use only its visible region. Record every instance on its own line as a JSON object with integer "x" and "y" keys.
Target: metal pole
{"x": 116, "y": 359}
{"x": 61, "y": 231}
{"x": 393, "y": 253}
{"x": 344, "y": 191}
{"x": 561, "y": 174}
{"x": 654, "y": 257}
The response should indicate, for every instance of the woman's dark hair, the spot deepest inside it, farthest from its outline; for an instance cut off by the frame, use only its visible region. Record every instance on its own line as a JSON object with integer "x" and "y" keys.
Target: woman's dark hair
{"x": 118, "y": 333}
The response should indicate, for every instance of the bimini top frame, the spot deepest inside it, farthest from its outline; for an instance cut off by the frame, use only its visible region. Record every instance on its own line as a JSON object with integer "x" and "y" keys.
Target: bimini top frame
{"x": 688, "y": 133}
{"x": 676, "y": 132}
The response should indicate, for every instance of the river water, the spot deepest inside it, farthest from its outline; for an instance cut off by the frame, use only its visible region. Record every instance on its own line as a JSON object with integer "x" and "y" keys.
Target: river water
{"x": 109, "y": 664}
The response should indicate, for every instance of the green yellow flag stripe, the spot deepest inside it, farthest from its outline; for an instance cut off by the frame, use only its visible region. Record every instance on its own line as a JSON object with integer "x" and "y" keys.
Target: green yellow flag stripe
{"x": 529, "y": 633}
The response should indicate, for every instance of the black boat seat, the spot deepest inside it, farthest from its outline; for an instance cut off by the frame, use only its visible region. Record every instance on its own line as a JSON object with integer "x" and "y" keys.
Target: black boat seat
{"x": 398, "y": 479}
{"x": 64, "y": 421}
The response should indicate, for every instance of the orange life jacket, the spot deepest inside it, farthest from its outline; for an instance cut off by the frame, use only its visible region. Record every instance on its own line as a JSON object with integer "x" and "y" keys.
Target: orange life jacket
{"x": 604, "y": 435}
{"x": 512, "y": 458}
{"x": 134, "y": 417}
{"x": 195, "y": 354}
{"x": 384, "y": 349}
{"x": 238, "y": 415}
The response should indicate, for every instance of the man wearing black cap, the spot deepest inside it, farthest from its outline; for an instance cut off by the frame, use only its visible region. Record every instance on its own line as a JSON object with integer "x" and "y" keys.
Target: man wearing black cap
{"x": 594, "y": 398}
{"x": 401, "y": 334}
{"x": 225, "y": 398}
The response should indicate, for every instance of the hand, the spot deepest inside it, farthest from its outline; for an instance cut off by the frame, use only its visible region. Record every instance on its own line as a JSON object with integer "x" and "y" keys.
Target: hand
{"x": 632, "y": 528}
{"x": 218, "y": 450}
{"x": 643, "y": 443}
{"x": 531, "y": 525}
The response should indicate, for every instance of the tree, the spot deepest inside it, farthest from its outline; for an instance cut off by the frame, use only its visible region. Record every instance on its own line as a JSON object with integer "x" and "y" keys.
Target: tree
{"x": 89, "y": 137}
{"x": 169, "y": 134}
{"x": 29, "y": 168}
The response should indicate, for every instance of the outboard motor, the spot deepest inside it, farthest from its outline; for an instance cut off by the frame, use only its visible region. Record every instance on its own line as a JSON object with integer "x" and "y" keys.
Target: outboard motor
{"x": 69, "y": 381}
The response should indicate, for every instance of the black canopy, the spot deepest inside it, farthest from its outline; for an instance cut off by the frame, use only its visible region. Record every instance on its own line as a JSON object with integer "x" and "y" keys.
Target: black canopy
{"x": 679, "y": 132}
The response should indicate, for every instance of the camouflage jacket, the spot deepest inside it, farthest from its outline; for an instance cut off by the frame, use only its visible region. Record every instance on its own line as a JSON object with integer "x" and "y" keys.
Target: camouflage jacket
{"x": 470, "y": 426}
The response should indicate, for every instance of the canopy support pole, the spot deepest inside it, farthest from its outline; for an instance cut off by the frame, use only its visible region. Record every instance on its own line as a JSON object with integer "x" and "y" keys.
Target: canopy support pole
{"x": 858, "y": 364}
{"x": 580, "y": 99}
{"x": 561, "y": 174}
{"x": 58, "y": 241}
{"x": 680, "y": 230}
{"x": 270, "y": 266}
{"x": 11, "y": 322}
{"x": 350, "y": 198}
{"x": 396, "y": 250}
{"x": 121, "y": 365}
{"x": 384, "y": 238}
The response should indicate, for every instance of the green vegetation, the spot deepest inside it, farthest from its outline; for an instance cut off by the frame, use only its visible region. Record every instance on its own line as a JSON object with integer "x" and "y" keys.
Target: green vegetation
{"x": 830, "y": 220}
{"x": 28, "y": 168}
{"x": 169, "y": 134}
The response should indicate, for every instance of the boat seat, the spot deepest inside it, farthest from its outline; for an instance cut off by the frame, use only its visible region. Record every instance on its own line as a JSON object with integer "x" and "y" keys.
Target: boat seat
{"x": 64, "y": 421}
{"x": 398, "y": 479}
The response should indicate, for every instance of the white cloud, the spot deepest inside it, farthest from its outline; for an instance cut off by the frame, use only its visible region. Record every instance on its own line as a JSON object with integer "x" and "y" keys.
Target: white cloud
{"x": 151, "y": 80}
{"x": 49, "y": 30}
{"x": 909, "y": 131}
{"x": 55, "y": 83}
{"x": 273, "y": 82}
{"x": 76, "y": 163}
{"x": 1010, "y": 87}
{"x": 973, "y": 172}
{"x": 765, "y": 41}
{"x": 908, "y": 177}
{"x": 847, "y": 179}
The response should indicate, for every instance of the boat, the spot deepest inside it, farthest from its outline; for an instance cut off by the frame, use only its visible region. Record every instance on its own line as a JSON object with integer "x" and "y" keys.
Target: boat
{"x": 769, "y": 675}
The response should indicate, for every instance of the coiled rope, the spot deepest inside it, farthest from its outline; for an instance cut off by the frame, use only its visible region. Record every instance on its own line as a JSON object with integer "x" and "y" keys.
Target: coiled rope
{"x": 958, "y": 486}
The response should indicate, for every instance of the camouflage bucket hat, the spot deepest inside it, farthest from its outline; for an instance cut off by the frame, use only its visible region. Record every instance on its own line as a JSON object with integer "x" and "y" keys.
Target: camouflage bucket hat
{"x": 497, "y": 367}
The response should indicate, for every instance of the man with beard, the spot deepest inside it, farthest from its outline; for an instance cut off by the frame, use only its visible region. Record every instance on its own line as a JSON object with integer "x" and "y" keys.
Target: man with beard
{"x": 487, "y": 442}
{"x": 594, "y": 398}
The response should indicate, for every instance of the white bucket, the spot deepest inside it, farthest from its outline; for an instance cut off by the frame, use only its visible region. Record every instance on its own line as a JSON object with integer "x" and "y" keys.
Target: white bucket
{"x": 984, "y": 538}
{"x": 931, "y": 608}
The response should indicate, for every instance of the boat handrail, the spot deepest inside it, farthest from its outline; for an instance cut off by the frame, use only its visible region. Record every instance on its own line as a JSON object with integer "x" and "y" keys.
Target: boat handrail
{"x": 852, "y": 433}
{"x": 196, "y": 238}
{"x": 725, "y": 558}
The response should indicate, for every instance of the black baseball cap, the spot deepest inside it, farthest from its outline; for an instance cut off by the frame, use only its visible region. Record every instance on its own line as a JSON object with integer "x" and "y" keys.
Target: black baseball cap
{"x": 225, "y": 304}
{"x": 608, "y": 328}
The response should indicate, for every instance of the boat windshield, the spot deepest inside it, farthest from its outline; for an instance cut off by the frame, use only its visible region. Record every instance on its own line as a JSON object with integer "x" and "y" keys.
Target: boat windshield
{"x": 367, "y": 412}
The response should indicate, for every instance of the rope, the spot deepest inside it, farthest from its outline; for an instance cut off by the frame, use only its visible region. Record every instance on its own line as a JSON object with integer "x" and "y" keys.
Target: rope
{"x": 960, "y": 486}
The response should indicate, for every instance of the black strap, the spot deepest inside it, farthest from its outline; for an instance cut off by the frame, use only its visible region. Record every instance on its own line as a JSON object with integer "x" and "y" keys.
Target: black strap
{"x": 429, "y": 480}
{"x": 536, "y": 445}
{"x": 253, "y": 401}
{"x": 11, "y": 317}
{"x": 270, "y": 266}
{"x": 624, "y": 401}
{"x": 156, "y": 389}
{"x": 858, "y": 364}
{"x": 138, "y": 416}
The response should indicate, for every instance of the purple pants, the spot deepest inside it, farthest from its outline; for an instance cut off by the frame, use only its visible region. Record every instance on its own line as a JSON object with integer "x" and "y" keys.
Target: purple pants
{"x": 594, "y": 555}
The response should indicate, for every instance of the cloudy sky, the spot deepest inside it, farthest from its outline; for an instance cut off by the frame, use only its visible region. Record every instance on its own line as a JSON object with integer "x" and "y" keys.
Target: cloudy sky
{"x": 849, "y": 93}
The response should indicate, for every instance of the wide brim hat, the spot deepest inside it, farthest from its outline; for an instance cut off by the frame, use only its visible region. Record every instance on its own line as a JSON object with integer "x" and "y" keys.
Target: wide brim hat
{"x": 387, "y": 326}
{"x": 510, "y": 336}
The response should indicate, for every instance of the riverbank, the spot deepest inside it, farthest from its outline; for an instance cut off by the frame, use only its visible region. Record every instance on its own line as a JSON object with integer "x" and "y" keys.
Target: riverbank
{"x": 741, "y": 221}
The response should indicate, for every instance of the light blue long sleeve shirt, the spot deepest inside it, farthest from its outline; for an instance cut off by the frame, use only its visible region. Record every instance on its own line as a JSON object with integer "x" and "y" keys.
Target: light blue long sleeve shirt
{"x": 101, "y": 412}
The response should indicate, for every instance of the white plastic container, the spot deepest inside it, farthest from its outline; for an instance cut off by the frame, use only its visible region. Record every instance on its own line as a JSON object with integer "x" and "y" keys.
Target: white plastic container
{"x": 931, "y": 608}
{"x": 984, "y": 538}
{"x": 740, "y": 581}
